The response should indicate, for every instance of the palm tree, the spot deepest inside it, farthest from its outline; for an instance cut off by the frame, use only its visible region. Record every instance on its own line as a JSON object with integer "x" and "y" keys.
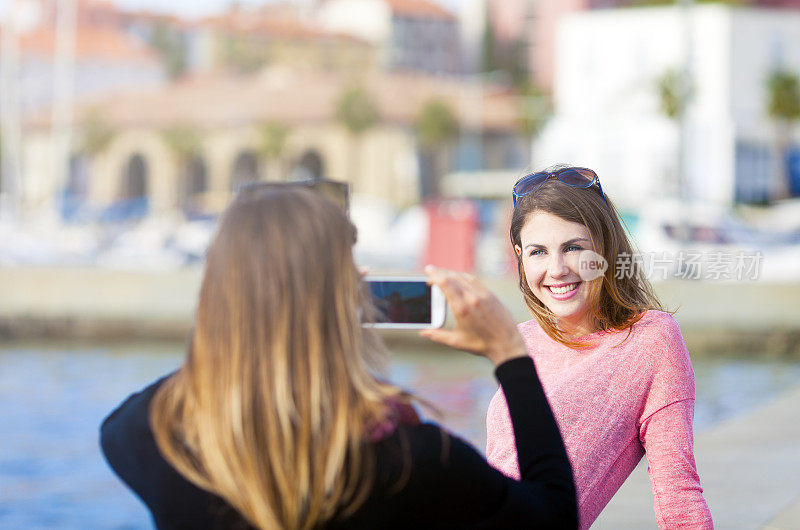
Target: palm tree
{"x": 357, "y": 112}
{"x": 674, "y": 93}
{"x": 534, "y": 111}
{"x": 168, "y": 40}
{"x": 783, "y": 108}
{"x": 97, "y": 133}
{"x": 436, "y": 126}
{"x": 272, "y": 137}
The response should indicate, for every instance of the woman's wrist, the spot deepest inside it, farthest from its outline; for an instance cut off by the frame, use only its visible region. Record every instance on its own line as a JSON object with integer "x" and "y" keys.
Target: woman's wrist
{"x": 502, "y": 353}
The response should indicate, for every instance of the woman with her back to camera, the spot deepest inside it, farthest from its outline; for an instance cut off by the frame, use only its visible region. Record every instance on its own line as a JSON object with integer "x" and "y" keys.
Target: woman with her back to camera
{"x": 613, "y": 364}
{"x": 276, "y": 419}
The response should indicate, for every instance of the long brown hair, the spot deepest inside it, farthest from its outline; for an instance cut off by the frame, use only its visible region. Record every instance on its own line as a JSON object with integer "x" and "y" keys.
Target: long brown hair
{"x": 616, "y": 301}
{"x": 270, "y": 406}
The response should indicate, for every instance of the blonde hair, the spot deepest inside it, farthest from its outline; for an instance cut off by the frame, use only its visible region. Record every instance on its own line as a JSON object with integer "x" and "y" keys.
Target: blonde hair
{"x": 270, "y": 407}
{"x": 615, "y": 302}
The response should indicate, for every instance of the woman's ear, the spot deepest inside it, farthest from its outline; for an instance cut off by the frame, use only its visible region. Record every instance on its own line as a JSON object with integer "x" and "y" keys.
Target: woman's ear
{"x": 518, "y": 250}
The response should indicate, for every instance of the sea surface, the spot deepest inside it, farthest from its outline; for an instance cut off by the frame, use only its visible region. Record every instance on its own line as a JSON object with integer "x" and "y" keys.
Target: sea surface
{"x": 54, "y": 396}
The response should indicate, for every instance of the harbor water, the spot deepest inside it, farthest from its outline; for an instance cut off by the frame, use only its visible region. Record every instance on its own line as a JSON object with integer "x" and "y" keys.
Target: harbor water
{"x": 54, "y": 396}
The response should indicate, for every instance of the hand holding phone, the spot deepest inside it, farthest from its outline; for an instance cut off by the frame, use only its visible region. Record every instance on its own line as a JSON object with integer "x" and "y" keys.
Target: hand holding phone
{"x": 483, "y": 324}
{"x": 406, "y": 303}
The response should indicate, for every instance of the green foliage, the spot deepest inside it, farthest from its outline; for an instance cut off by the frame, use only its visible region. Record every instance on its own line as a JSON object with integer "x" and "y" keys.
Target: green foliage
{"x": 534, "y": 110}
{"x": 272, "y": 138}
{"x": 509, "y": 60}
{"x": 183, "y": 140}
{"x": 488, "y": 53}
{"x": 168, "y": 40}
{"x": 436, "y": 125}
{"x": 242, "y": 54}
{"x": 673, "y": 93}
{"x": 517, "y": 65}
{"x": 97, "y": 134}
{"x": 783, "y": 100}
{"x": 357, "y": 111}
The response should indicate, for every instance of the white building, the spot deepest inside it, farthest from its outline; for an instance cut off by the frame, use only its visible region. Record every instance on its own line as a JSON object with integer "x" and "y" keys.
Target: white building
{"x": 607, "y": 103}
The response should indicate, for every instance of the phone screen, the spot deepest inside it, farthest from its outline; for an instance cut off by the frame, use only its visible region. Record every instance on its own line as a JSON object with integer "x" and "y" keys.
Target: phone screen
{"x": 402, "y": 302}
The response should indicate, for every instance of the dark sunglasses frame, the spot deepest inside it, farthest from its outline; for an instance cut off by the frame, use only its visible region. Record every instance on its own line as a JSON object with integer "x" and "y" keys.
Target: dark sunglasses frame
{"x": 334, "y": 190}
{"x": 535, "y": 180}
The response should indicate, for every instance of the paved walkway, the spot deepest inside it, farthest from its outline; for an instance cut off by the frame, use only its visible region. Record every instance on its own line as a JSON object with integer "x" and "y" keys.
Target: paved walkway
{"x": 749, "y": 468}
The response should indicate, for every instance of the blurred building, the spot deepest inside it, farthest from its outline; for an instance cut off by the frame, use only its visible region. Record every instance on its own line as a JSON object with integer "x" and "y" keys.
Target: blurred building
{"x": 415, "y": 35}
{"x": 607, "y": 103}
{"x": 188, "y": 146}
{"x": 785, "y": 4}
{"x": 103, "y": 58}
{"x": 544, "y": 16}
{"x": 247, "y": 39}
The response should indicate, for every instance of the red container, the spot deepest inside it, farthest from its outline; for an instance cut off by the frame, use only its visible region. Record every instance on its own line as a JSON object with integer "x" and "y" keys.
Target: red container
{"x": 452, "y": 233}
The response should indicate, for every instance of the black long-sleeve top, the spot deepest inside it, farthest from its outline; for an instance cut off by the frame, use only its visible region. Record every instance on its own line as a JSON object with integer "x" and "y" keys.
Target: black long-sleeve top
{"x": 450, "y": 484}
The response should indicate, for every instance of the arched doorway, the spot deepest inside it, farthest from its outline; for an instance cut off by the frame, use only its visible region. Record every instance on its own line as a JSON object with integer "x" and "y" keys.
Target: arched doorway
{"x": 134, "y": 182}
{"x": 77, "y": 186}
{"x": 245, "y": 169}
{"x": 195, "y": 184}
{"x": 132, "y": 201}
{"x": 310, "y": 166}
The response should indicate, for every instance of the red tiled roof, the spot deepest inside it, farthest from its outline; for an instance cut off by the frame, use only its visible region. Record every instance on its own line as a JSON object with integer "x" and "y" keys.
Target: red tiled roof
{"x": 419, "y": 8}
{"x": 216, "y": 101}
{"x": 90, "y": 44}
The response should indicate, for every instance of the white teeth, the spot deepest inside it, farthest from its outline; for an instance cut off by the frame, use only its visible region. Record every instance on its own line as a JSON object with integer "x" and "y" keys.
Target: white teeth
{"x": 562, "y": 290}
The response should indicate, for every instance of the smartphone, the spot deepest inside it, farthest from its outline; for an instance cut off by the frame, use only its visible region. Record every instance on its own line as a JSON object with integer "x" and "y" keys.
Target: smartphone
{"x": 404, "y": 302}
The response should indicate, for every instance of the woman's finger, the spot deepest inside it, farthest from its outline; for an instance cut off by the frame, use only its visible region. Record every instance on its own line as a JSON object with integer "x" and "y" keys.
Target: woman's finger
{"x": 442, "y": 336}
{"x": 447, "y": 281}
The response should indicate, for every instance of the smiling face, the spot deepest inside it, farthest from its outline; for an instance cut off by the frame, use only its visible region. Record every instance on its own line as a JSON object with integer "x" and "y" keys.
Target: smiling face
{"x": 550, "y": 249}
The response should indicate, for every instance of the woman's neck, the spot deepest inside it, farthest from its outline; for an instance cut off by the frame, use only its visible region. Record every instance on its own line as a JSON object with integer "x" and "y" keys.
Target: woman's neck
{"x": 576, "y": 329}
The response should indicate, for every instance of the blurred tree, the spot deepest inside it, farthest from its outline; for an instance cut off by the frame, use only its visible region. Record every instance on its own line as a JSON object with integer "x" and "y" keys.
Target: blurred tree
{"x": 183, "y": 141}
{"x": 185, "y": 144}
{"x": 506, "y": 61}
{"x": 168, "y": 40}
{"x": 673, "y": 93}
{"x": 783, "y": 108}
{"x": 436, "y": 126}
{"x": 243, "y": 54}
{"x": 534, "y": 111}
{"x": 96, "y": 133}
{"x": 488, "y": 53}
{"x": 272, "y": 137}
{"x": 357, "y": 112}
{"x": 517, "y": 64}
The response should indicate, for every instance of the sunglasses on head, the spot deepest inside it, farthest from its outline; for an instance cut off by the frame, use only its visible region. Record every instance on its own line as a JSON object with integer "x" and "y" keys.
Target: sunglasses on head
{"x": 338, "y": 192}
{"x": 578, "y": 177}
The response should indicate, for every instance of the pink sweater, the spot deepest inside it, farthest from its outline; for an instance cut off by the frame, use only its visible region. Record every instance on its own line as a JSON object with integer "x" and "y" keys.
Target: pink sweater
{"x": 614, "y": 403}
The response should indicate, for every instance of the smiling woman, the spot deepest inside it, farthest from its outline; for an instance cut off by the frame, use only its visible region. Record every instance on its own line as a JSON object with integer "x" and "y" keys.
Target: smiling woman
{"x": 550, "y": 255}
{"x": 559, "y": 226}
{"x": 612, "y": 362}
